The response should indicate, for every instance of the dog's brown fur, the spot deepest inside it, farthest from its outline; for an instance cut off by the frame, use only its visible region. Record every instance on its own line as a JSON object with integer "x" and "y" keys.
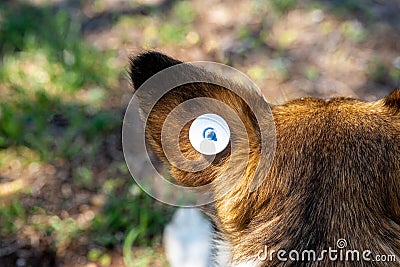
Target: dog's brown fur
{"x": 335, "y": 174}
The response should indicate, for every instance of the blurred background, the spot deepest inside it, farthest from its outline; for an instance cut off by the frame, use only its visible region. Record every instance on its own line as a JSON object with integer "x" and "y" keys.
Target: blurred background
{"x": 66, "y": 196}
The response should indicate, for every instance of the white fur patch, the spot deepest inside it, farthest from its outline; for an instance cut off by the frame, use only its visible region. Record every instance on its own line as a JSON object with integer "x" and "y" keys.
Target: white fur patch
{"x": 223, "y": 257}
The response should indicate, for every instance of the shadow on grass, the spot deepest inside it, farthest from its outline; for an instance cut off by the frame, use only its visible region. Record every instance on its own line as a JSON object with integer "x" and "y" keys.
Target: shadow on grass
{"x": 106, "y": 19}
{"x": 367, "y": 11}
{"x": 58, "y": 27}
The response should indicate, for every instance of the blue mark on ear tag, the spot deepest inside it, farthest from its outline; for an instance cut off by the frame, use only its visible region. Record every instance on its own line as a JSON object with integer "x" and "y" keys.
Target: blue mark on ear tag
{"x": 209, "y": 133}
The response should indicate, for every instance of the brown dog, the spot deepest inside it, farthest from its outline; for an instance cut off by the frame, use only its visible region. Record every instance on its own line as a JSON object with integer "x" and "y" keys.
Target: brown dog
{"x": 335, "y": 175}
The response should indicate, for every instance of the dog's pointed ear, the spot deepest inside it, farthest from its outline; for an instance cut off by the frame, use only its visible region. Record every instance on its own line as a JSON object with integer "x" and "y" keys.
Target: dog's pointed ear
{"x": 145, "y": 65}
{"x": 168, "y": 118}
{"x": 392, "y": 101}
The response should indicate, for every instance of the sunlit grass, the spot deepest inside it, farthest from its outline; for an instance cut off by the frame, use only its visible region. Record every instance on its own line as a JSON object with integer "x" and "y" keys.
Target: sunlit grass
{"x": 54, "y": 89}
{"x": 124, "y": 211}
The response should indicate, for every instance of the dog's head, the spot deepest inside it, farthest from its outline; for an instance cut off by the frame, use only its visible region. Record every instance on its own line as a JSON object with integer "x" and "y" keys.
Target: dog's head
{"x": 335, "y": 170}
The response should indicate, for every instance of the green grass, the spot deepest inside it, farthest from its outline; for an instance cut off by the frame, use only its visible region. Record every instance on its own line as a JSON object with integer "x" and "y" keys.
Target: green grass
{"x": 282, "y": 6}
{"x": 311, "y": 73}
{"x": 12, "y": 216}
{"x": 354, "y": 31}
{"x": 54, "y": 89}
{"x": 382, "y": 72}
{"x": 27, "y": 121}
{"x": 124, "y": 212}
{"x": 172, "y": 27}
{"x": 28, "y": 32}
{"x": 51, "y": 70}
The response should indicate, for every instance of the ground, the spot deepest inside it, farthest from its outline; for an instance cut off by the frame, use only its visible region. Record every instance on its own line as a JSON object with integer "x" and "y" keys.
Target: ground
{"x": 66, "y": 195}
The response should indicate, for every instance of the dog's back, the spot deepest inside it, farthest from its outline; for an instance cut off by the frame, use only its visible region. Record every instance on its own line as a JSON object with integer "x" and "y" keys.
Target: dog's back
{"x": 335, "y": 175}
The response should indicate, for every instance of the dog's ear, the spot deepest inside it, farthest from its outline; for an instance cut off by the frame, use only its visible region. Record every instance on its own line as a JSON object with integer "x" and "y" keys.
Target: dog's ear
{"x": 169, "y": 112}
{"x": 392, "y": 101}
{"x": 147, "y": 64}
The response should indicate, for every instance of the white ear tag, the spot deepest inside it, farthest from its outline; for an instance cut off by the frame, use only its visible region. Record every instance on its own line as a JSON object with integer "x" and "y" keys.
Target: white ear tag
{"x": 209, "y": 134}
